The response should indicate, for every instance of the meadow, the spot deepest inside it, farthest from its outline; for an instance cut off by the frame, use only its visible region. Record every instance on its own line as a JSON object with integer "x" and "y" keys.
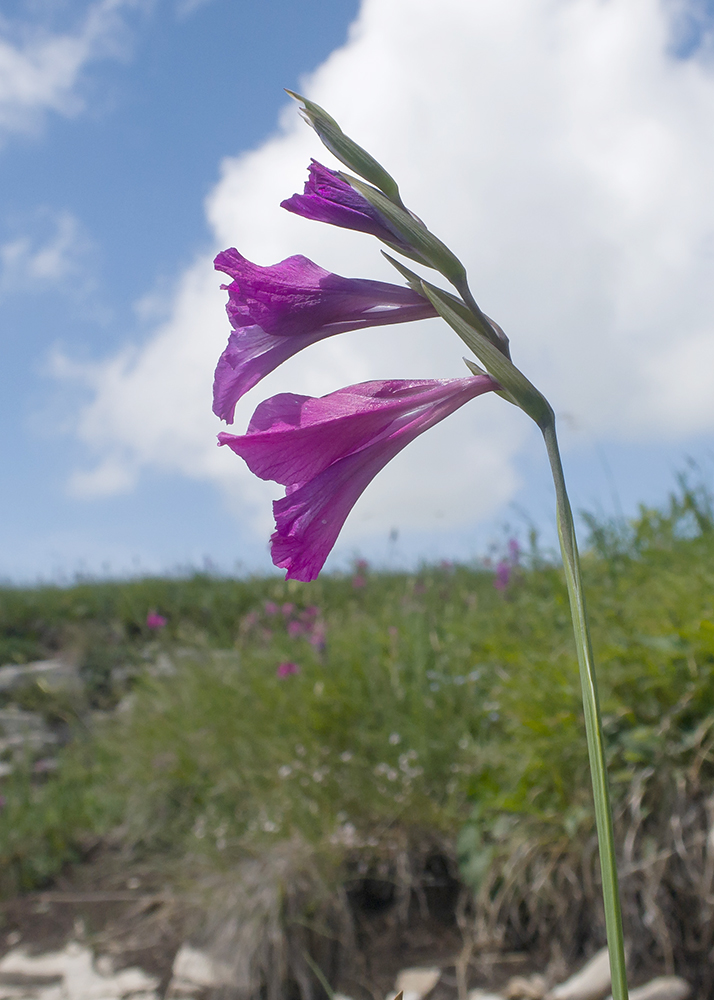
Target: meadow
{"x": 384, "y": 734}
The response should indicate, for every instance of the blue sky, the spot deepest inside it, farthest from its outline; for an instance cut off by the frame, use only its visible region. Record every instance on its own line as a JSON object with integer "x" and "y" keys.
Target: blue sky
{"x": 136, "y": 139}
{"x": 185, "y": 86}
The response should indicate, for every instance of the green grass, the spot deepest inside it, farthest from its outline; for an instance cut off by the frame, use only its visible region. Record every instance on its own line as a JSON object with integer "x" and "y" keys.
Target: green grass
{"x": 436, "y": 704}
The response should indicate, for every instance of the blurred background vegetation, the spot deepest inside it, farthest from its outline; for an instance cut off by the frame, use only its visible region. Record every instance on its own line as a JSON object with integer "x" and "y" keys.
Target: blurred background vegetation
{"x": 216, "y": 719}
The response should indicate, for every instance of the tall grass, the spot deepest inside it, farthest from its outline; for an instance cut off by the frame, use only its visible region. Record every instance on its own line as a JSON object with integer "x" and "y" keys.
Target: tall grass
{"x": 417, "y": 705}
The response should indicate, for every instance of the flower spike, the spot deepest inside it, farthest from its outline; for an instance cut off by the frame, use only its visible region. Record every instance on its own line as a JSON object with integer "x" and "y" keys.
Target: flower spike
{"x": 346, "y": 150}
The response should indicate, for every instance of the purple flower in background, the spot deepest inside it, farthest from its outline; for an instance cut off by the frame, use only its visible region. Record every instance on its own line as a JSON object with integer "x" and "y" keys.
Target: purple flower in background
{"x": 271, "y": 608}
{"x": 326, "y": 450}
{"x": 328, "y": 198}
{"x": 318, "y": 635}
{"x": 295, "y": 629}
{"x": 277, "y": 311}
{"x": 285, "y": 669}
{"x": 503, "y": 575}
{"x": 154, "y": 621}
{"x": 514, "y": 550}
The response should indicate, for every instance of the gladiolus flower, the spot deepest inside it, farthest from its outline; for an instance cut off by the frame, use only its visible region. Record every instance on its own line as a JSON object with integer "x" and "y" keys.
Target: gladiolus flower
{"x": 326, "y": 451}
{"x": 328, "y": 198}
{"x": 276, "y": 311}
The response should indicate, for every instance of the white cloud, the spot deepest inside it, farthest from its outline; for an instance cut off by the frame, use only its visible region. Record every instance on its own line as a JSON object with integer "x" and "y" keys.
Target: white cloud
{"x": 52, "y": 256}
{"x": 41, "y": 70}
{"x": 563, "y": 153}
{"x": 184, "y": 8}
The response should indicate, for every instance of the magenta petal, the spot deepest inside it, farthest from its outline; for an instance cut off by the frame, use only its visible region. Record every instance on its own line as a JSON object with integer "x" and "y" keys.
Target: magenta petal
{"x": 309, "y": 519}
{"x": 277, "y": 311}
{"x": 327, "y": 198}
{"x": 251, "y": 354}
{"x": 326, "y": 450}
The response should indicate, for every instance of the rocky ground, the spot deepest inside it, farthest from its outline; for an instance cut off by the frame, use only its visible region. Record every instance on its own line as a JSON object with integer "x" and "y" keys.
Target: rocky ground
{"x": 76, "y": 972}
{"x": 126, "y": 940}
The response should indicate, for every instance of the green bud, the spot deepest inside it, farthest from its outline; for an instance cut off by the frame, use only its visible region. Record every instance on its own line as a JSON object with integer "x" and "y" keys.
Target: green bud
{"x": 416, "y": 236}
{"x": 346, "y": 150}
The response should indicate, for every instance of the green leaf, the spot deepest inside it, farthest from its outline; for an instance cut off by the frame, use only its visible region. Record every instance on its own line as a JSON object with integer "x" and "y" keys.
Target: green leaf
{"x": 478, "y": 370}
{"x": 523, "y": 392}
{"x": 480, "y": 320}
{"x": 346, "y": 150}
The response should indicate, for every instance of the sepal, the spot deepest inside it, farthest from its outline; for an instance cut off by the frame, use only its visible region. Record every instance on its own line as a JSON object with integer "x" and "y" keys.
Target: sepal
{"x": 414, "y": 233}
{"x": 347, "y": 150}
{"x": 511, "y": 379}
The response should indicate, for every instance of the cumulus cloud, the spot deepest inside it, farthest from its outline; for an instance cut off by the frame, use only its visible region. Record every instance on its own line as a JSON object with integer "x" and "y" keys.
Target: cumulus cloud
{"x": 40, "y": 70}
{"x": 563, "y": 151}
{"x": 52, "y": 256}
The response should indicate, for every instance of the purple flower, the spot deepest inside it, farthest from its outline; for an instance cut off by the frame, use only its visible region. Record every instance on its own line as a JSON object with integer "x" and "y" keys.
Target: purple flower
{"x": 317, "y": 636}
{"x": 503, "y": 575}
{"x": 154, "y": 621}
{"x": 328, "y": 198}
{"x": 326, "y": 450}
{"x": 285, "y": 669}
{"x": 276, "y": 311}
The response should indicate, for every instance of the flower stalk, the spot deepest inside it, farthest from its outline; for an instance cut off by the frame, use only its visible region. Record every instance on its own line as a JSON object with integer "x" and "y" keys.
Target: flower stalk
{"x": 593, "y": 721}
{"x": 326, "y": 450}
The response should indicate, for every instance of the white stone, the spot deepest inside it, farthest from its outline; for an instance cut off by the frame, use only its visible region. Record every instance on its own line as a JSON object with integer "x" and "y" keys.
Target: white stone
{"x": 416, "y": 983}
{"x": 78, "y": 977}
{"x": 54, "y": 674}
{"x": 522, "y": 988}
{"x": 592, "y": 982}
{"x": 662, "y": 988}
{"x": 194, "y": 970}
{"x": 194, "y": 966}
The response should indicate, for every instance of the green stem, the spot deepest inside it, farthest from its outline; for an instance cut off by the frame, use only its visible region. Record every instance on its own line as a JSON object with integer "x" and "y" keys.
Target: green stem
{"x": 593, "y": 723}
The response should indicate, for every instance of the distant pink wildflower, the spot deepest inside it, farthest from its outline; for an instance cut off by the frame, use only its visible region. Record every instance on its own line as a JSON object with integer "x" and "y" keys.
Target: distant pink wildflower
{"x": 503, "y": 575}
{"x": 295, "y": 629}
{"x": 155, "y": 621}
{"x": 317, "y": 636}
{"x": 359, "y": 581}
{"x": 285, "y": 669}
{"x": 271, "y": 608}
